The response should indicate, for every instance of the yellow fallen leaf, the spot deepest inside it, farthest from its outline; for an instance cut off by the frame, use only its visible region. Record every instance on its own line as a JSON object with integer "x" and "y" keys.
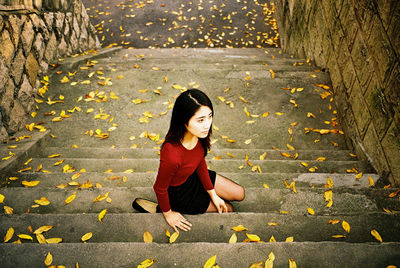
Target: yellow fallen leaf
{"x": 129, "y": 170}
{"x": 8, "y": 210}
{"x": 9, "y": 234}
{"x": 289, "y": 239}
{"x": 377, "y": 236}
{"x": 70, "y": 199}
{"x": 370, "y": 180}
{"x": 259, "y": 264}
{"x": 25, "y": 236}
{"x": 146, "y": 263}
{"x": 30, "y": 183}
{"x": 41, "y": 239}
{"x": 239, "y": 228}
{"x": 253, "y": 237}
{"x": 304, "y": 164}
{"x": 338, "y": 236}
{"x": 269, "y": 263}
{"x": 54, "y": 240}
{"x": 233, "y": 239}
{"x": 284, "y": 212}
{"x": 292, "y": 263}
{"x": 86, "y": 236}
{"x": 263, "y": 156}
{"x": 42, "y": 229}
{"x": 48, "y": 260}
{"x": 173, "y": 237}
{"x": 167, "y": 233}
{"x": 310, "y": 211}
{"x": 102, "y": 214}
{"x": 333, "y": 221}
{"x": 265, "y": 114}
{"x": 272, "y": 224}
{"x": 272, "y": 239}
{"x": 248, "y": 141}
{"x": 210, "y": 262}
{"x": 265, "y": 186}
{"x": 329, "y": 183}
{"x": 108, "y": 170}
{"x": 1, "y": 198}
{"x": 243, "y": 99}
{"x": 346, "y": 226}
{"x": 147, "y": 237}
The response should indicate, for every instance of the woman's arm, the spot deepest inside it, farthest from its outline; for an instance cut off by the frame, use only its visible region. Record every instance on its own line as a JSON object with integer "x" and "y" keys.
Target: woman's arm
{"x": 218, "y": 201}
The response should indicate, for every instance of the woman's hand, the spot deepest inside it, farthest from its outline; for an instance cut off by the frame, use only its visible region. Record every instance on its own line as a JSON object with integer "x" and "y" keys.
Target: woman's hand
{"x": 176, "y": 220}
{"x": 218, "y": 202}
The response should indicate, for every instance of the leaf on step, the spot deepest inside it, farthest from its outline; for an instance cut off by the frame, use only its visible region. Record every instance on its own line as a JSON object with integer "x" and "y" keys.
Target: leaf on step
{"x": 253, "y": 237}
{"x": 147, "y": 237}
{"x": 101, "y": 197}
{"x": 233, "y": 239}
{"x": 30, "y": 183}
{"x": 54, "y": 240}
{"x": 265, "y": 186}
{"x": 108, "y": 170}
{"x": 9, "y": 234}
{"x": 42, "y": 229}
{"x": 329, "y": 183}
{"x": 289, "y": 239}
{"x": 269, "y": 263}
{"x": 393, "y": 194}
{"x": 311, "y": 211}
{"x": 371, "y": 181}
{"x": 338, "y": 236}
{"x": 129, "y": 170}
{"x": 8, "y": 210}
{"x": 292, "y": 263}
{"x": 173, "y": 237}
{"x": 257, "y": 265}
{"x": 377, "y": 236}
{"x": 49, "y": 259}
{"x": 58, "y": 162}
{"x": 239, "y": 228}
{"x": 248, "y": 141}
{"x": 210, "y": 262}
{"x": 146, "y": 263}
{"x": 25, "y": 236}
{"x": 41, "y": 239}
{"x": 272, "y": 239}
{"x": 243, "y": 99}
{"x": 346, "y": 226}
{"x": 102, "y": 214}
{"x": 86, "y": 236}
{"x": 263, "y": 156}
{"x": 290, "y": 147}
{"x": 359, "y": 175}
{"x": 54, "y": 155}
{"x": 333, "y": 221}
{"x": 272, "y": 73}
{"x": 167, "y": 233}
{"x": 1, "y": 198}
{"x": 70, "y": 199}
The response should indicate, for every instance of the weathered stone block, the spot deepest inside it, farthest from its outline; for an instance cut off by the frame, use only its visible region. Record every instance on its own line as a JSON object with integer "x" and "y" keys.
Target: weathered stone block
{"x": 365, "y": 12}
{"x": 1, "y": 23}
{"x": 44, "y": 66}
{"x": 35, "y": 19}
{"x": 27, "y": 36}
{"x": 38, "y": 46}
{"x": 75, "y": 27}
{"x": 62, "y": 47}
{"x": 25, "y": 95}
{"x": 391, "y": 147}
{"x": 59, "y": 24}
{"x": 3, "y": 74}
{"x": 16, "y": 23}
{"x": 83, "y": 39}
{"x": 386, "y": 10}
{"x": 74, "y": 42}
{"x": 349, "y": 75}
{"x": 375, "y": 152}
{"x": 51, "y": 48}
{"x": 359, "y": 105}
{"x": 374, "y": 96}
{"x": 392, "y": 93}
{"x": 17, "y": 117}
{"x": 67, "y": 28}
{"x": 349, "y": 23}
{"x": 8, "y": 98}
{"x": 49, "y": 18}
{"x": 32, "y": 68}
{"x": 6, "y": 48}
{"x": 393, "y": 31}
{"x": 342, "y": 55}
{"x": 361, "y": 60}
{"x": 379, "y": 47}
{"x": 18, "y": 66}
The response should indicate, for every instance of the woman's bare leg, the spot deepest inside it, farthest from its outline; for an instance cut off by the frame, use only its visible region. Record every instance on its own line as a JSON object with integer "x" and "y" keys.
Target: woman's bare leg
{"x": 227, "y": 190}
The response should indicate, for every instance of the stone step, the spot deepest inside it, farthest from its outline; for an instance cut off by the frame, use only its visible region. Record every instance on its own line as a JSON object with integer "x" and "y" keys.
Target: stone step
{"x": 305, "y": 254}
{"x": 253, "y": 154}
{"x": 223, "y": 165}
{"x": 345, "y": 201}
{"x": 213, "y": 228}
{"x": 143, "y": 179}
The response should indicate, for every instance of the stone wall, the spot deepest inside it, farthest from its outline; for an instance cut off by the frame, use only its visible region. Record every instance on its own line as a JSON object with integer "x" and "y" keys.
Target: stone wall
{"x": 33, "y": 35}
{"x": 358, "y": 42}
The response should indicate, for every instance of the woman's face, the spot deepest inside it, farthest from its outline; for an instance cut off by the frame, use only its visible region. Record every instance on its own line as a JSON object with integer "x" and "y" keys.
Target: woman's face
{"x": 200, "y": 123}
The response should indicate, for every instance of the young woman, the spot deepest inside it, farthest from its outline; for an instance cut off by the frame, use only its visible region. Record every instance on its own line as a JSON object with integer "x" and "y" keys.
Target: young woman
{"x": 184, "y": 184}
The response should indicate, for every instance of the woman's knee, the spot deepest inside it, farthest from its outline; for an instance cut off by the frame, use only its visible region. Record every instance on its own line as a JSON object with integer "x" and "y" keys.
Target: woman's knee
{"x": 240, "y": 195}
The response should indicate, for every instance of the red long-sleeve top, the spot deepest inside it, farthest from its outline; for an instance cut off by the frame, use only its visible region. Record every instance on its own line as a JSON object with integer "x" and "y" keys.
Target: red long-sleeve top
{"x": 176, "y": 164}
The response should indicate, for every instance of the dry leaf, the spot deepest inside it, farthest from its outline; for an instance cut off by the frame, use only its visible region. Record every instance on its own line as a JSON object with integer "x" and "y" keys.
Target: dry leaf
{"x": 338, "y": 236}
{"x": 54, "y": 240}
{"x": 265, "y": 186}
{"x": 102, "y": 214}
{"x": 253, "y": 237}
{"x": 272, "y": 239}
{"x": 43, "y": 201}
{"x": 377, "y": 236}
{"x": 346, "y": 226}
{"x": 239, "y": 228}
{"x": 41, "y": 239}
{"x": 70, "y": 199}
{"x": 86, "y": 236}
{"x": 310, "y": 211}
{"x": 210, "y": 262}
{"x": 173, "y": 237}
{"x": 289, "y": 239}
{"x": 42, "y": 229}
{"x": 147, "y": 237}
{"x": 30, "y": 183}
{"x": 292, "y": 263}
{"x": 9, "y": 234}
{"x": 146, "y": 263}
{"x": 25, "y": 236}
{"x": 233, "y": 239}
{"x": 1, "y": 198}
{"x": 8, "y": 210}
{"x": 269, "y": 263}
{"x": 48, "y": 260}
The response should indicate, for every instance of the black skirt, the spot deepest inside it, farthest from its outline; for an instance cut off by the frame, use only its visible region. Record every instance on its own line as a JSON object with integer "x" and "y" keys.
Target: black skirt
{"x": 190, "y": 197}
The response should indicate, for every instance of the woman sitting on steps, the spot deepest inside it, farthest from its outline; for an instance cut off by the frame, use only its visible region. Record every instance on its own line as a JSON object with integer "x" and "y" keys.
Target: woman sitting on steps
{"x": 184, "y": 184}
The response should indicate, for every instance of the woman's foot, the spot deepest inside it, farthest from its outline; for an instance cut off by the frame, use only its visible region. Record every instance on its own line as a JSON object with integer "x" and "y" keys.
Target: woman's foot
{"x": 145, "y": 206}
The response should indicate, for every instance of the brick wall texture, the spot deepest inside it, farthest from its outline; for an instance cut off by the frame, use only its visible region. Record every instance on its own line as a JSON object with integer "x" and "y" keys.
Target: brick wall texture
{"x": 358, "y": 42}
{"x": 32, "y": 36}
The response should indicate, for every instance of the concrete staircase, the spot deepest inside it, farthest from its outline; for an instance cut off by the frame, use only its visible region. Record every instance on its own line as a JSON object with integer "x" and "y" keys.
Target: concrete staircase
{"x": 122, "y": 165}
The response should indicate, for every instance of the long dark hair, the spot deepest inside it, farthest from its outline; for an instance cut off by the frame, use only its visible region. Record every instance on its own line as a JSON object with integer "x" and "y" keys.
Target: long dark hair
{"x": 186, "y": 105}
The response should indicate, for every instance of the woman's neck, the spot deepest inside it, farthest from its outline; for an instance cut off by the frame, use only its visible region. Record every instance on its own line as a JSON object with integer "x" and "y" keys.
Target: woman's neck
{"x": 189, "y": 141}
